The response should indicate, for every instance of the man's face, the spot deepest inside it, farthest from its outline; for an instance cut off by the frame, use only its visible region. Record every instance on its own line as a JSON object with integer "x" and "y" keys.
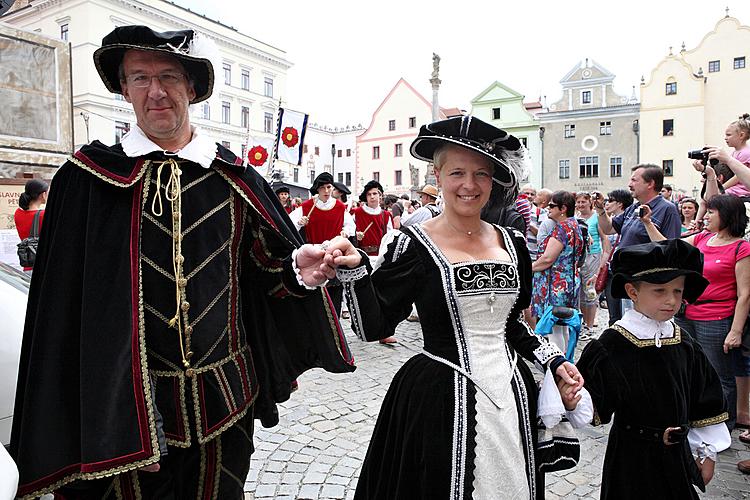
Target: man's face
{"x": 666, "y": 193}
{"x": 426, "y": 199}
{"x": 639, "y": 187}
{"x": 336, "y": 194}
{"x": 161, "y": 108}
{"x": 324, "y": 192}
{"x": 283, "y": 197}
{"x": 529, "y": 192}
{"x": 541, "y": 200}
{"x": 373, "y": 198}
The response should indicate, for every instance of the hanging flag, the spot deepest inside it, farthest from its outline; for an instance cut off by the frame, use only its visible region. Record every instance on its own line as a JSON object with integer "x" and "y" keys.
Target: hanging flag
{"x": 290, "y": 136}
{"x": 259, "y": 151}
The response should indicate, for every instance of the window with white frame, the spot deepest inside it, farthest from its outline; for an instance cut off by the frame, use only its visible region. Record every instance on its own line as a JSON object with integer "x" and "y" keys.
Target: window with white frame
{"x": 398, "y": 150}
{"x": 267, "y": 123}
{"x": 524, "y": 141}
{"x": 412, "y": 121}
{"x": 670, "y": 88}
{"x": 226, "y": 111}
{"x": 570, "y": 131}
{"x": 245, "y": 79}
{"x": 714, "y": 66}
{"x": 564, "y": 169}
{"x": 397, "y": 177}
{"x": 227, "y": 73}
{"x": 64, "y": 32}
{"x": 495, "y": 113}
{"x": 268, "y": 87}
{"x": 206, "y": 110}
{"x": 585, "y": 97}
{"x": 376, "y": 152}
{"x": 121, "y": 128}
{"x": 615, "y": 166}
{"x": 667, "y": 127}
{"x": 348, "y": 180}
{"x": 668, "y": 167}
{"x": 588, "y": 166}
{"x": 245, "y": 117}
{"x": 605, "y": 128}
{"x": 376, "y": 176}
{"x": 739, "y": 62}
{"x": 341, "y": 177}
{"x": 295, "y": 174}
{"x": 391, "y": 125}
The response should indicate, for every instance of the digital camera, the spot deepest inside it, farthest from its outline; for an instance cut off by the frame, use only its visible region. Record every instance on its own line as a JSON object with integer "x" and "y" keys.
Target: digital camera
{"x": 702, "y": 155}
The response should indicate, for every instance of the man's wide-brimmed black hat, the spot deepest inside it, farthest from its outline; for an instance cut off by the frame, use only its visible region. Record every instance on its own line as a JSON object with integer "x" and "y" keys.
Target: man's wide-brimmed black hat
{"x": 180, "y": 44}
{"x": 504, "y": 150}
{"x": 368, "y": 186}
{"x": 659, "y": 262}
{"x": 321, "y": 180}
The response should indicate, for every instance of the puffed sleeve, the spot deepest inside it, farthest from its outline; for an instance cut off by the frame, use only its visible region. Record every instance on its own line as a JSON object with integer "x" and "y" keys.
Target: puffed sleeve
{"x": 605, "y": 382}
{"x": 520, "y": 336}
{"x": 380, "y": 295}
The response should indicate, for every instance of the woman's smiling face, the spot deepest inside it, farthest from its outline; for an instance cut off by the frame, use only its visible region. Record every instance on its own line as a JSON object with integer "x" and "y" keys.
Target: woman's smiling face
{"x": 466, "y": 180}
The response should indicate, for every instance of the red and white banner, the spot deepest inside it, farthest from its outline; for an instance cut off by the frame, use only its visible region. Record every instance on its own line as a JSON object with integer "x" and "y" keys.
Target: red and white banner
{"x": 259, "y": 150}
{"x": 290, "y": 136}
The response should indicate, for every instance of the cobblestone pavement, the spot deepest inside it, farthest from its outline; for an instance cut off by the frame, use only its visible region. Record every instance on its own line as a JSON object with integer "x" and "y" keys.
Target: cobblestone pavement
{"x": 317, "y": 449}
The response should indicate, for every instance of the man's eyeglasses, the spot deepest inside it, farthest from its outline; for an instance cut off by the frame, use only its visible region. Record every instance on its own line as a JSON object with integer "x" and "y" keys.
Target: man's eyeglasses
{"x": 167, "y": 79}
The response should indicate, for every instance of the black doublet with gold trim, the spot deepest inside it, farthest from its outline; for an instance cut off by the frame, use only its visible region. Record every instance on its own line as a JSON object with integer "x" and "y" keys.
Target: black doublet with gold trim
{"x": 102, "y": 342}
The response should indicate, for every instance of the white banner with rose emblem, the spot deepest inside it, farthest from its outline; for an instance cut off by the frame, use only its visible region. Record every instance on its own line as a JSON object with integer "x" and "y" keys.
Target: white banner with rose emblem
{"x": 290, "y": 136}
{"x": 259, "y": 151}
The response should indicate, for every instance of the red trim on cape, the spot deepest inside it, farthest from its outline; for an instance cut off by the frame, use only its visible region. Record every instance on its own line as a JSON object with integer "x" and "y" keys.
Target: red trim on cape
{"x": 126, "y": 180}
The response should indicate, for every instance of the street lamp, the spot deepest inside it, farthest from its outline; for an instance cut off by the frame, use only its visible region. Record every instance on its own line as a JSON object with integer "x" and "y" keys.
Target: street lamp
{"x": 333, "y": 159}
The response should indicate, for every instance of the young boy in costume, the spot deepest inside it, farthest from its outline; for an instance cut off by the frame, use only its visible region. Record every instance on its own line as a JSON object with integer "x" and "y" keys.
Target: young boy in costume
{"x": 666, "y": 398}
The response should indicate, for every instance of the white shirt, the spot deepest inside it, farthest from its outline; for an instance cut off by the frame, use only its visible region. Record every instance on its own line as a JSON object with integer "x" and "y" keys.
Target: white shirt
{"x": 200, "y": 149}
{"x": 377, "y": 211}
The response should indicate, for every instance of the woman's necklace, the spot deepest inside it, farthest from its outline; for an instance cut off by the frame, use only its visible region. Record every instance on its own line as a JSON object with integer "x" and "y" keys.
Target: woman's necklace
{"x": 467, "y": 233}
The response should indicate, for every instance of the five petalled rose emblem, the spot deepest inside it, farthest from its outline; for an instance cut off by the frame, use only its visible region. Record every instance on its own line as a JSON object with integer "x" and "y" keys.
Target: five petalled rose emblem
{"x": 257, "y": 156}
{"x": 290, "y": 137}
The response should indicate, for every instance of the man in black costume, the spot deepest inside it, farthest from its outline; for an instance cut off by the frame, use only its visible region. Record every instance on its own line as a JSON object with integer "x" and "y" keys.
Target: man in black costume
{"x": 151, "y": 341}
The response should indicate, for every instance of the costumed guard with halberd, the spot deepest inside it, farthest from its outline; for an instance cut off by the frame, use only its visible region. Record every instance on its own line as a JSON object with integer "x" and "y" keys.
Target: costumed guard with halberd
{"x": 151, "y": 338}
{"x": 321, "y": 219}
{"x": 371, "y": 220}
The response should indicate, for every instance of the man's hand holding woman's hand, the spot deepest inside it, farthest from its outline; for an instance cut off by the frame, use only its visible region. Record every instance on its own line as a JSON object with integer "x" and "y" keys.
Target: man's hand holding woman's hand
{"x": 318, "y": 263}
{"x": 569, "y": 383}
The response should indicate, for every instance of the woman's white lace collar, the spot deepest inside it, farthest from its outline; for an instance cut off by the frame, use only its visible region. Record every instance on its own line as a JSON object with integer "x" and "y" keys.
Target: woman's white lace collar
{"x": 645, "y": 328}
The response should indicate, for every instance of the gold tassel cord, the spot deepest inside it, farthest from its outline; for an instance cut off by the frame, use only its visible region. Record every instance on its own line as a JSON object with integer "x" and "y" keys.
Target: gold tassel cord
{"x": 173, "y": 194}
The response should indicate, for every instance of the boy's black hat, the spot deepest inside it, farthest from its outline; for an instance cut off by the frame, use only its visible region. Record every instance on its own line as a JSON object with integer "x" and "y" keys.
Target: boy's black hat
{"x": 282, "y": 189}
{"x": 659, "y": 262}
{"x": 321, "y": 180}
{"x": 368, "y": 186}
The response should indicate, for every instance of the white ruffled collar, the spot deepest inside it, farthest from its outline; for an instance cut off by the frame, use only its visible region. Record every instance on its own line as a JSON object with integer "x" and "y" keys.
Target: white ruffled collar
{"x": 200, "y": 149}
{"x": 372, "y": 211}
{"x": 645, "y": 328}
{"x": 325, "y": 205}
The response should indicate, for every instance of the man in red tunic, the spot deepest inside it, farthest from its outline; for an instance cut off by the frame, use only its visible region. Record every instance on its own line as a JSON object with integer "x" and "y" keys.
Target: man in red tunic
{"x": 283, "y": 194}
{"x": 372, "y": 223}
{"x": 371, "y": 220}
{"x": 323, "y": 218}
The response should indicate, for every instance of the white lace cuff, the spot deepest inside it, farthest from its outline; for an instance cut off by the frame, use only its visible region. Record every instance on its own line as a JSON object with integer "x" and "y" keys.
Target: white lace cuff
{"x": 299, "y": 276}
{"x": 546, "y": 351}
{"x": 345, "y": 275}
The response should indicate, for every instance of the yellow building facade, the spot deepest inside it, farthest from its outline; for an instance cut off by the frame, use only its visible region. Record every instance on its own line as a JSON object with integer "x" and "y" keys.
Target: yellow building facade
{"x": 689, "y": 99}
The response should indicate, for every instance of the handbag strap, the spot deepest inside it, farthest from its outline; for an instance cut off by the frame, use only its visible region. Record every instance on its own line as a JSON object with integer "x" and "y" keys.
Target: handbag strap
{"x": 34, "y": 233}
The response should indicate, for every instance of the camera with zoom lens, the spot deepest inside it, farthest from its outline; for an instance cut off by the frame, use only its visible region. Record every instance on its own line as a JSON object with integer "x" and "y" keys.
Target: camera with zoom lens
{"x": 702, "y": 155}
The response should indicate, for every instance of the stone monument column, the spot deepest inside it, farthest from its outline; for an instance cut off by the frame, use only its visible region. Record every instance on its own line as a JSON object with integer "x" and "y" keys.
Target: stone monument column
{"x": 429, "y": 177}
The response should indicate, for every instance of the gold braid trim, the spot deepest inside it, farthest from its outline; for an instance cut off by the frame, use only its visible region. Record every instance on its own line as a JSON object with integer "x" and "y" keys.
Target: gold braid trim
{"x": 597, "y": 418}
{"x": 183, "y": 407}
{"x": 106, "y": 179}
{"x": 199, "y": 431}
{"x": 650, "y": 342}
{"x": 705, "y": 422}
{"x": 217, "y": 472}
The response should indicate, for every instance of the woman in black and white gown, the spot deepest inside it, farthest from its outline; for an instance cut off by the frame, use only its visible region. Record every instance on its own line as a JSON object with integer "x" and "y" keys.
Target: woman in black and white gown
{"x": 459, "y": 419}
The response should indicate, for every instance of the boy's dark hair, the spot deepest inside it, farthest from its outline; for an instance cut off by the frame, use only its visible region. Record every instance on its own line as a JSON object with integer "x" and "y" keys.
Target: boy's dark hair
{"x": 732, "y": 214}
{"x": 722, "y": 170}
{"x": 566, "y": 198}
{"x": 651, "y": 172}
{"x": 622, "y": 196}
{"x": 389, "y": 200}
{"x": 668, "y": 187}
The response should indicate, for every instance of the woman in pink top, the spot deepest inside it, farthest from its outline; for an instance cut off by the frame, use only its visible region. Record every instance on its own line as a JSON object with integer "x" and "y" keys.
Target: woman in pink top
{"x": 717, "y": 318}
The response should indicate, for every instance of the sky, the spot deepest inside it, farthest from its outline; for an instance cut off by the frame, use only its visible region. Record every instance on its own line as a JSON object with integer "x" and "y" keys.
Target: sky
{"x": 347, "y": 55}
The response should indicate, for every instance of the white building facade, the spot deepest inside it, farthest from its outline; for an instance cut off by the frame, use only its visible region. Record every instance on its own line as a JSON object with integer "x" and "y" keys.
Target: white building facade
{"x": 248, "y": 83}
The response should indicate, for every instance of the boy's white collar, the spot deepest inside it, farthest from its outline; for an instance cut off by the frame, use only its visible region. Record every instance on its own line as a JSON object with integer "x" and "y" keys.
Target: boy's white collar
{"x": 372, "y": 211}
{"x": 645, "y": 328}
{"x": 200, "y": 149}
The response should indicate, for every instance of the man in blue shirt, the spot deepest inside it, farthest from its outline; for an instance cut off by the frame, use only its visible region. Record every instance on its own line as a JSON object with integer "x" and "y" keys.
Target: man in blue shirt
{"x": 645, "y": 185}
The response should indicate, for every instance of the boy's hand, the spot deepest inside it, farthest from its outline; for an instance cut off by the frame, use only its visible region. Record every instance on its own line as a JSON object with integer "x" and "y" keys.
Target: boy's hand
{"x": 706, "y": 468}
{"x": 570, "y": 397}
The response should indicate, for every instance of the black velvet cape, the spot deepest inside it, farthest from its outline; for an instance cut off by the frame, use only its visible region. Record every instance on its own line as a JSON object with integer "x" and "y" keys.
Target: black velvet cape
{"x": 83, "y": 407}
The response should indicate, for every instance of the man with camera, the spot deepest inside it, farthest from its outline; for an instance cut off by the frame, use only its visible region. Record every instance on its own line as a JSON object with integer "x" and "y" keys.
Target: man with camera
{"x": 645, "y": 184}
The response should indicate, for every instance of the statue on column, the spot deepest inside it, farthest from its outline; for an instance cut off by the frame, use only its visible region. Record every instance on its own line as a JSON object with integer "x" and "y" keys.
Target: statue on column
{"x": 414, "y": 173}
{"x": 435, "y": 65}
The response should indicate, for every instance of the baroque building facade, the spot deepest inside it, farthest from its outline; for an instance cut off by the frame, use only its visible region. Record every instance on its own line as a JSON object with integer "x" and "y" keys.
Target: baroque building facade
{"x": 690, "y": 97}
{"x": 590, "y": 136}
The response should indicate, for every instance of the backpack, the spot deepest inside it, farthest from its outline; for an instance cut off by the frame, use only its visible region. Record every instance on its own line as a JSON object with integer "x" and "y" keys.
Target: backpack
{"x": 27, "y": 248}
{"x": 584, "y": 227}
